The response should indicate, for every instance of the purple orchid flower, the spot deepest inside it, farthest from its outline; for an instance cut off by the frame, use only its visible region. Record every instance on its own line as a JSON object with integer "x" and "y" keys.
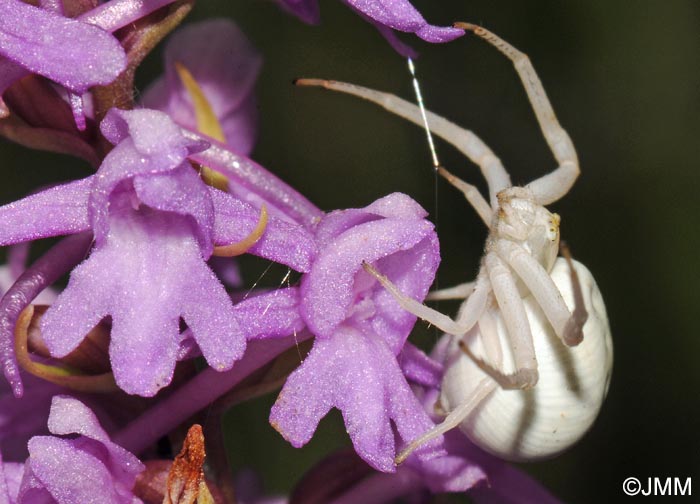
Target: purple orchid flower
{"x": 75, "y": 54}
{"x": 385, "y": 15}
{"x": 153, "y": 219}
{"x": 225, "y": 65}
{"x": 360, "y": 329}
{"x": 77, "y": 468}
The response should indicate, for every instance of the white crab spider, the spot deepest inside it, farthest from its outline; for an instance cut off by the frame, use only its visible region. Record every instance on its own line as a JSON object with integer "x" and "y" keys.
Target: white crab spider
{"x": 523, "y": 299}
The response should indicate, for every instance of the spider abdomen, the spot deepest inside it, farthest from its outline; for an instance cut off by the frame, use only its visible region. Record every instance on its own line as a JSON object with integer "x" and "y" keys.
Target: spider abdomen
{"x": 573, "y": 381}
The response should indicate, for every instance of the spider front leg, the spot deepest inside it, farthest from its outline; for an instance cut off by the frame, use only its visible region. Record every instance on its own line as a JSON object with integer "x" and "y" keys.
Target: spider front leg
{"x": 556, "y": 184}
{"x": 568, "y": 326}
{"x": 487, "y": 331}
{"x": 460, "y": 291}
{"x": 469, "y": 315}
{"x": 497, "y": 274}
{"x": 452, "y": 420}
{"x": 512, "y": 309}
{"x": 464, "y": 140}
{"x": 471, "y": 194}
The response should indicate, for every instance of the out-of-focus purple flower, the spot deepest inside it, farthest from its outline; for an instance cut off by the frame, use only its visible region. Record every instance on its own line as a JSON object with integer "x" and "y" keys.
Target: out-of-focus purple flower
{"x": 360, "y": 329}
{"x": 249, "y": 489}
{"x": 343, "y": 478}
{"x": 72, "y": 53}
{"x": 22, "y": 418}
{"x": 79, "y": 467}
{"x": 386, "y": 15}
{"x": 225, "y": 65}
{"x": 155, "y": 223}
{"x": 10, "y": 480}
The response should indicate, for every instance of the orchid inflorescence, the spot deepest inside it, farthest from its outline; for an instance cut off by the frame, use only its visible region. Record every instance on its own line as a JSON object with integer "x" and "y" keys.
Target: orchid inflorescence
{"x": 99, "y": 371}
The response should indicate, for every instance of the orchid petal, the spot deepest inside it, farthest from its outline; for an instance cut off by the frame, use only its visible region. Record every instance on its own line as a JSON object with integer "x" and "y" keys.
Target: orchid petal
{"x": 252, "y": 183}
{"x": 75, "y": 54}
{"x": 360, "y": 376}
{"x": 139, "y": 270}
{"x": 116, "y": 14}
{"x": 56, "y": 211}
{"x": 282, "y": 242}
{"x": 401, "y": 15}
{"x": 270, "y": 315}
{"x": 329, "y": 289}
{"x": 419, "y": 368}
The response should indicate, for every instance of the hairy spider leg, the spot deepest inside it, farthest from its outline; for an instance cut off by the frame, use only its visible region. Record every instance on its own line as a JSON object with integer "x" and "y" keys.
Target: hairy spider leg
{"x": 517, "y": 324}
{"x": 544, "y": 290}
{"x": 554, "y": 185}
{"x": 456, "y": 417}
{"x": 579, "y": 315}
{"x": 460, "y": 291}
{"x": 487, "y": 331}
{"x": 472, "y": 310}
{"x": 472, "y": 195}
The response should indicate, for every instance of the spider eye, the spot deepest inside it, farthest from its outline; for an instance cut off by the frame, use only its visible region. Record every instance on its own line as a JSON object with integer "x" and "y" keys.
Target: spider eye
{"x": 554, "y": 227}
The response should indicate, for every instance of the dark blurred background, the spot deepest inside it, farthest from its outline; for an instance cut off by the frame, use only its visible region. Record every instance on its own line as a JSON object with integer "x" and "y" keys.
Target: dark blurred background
{"x": 624, "y": 79}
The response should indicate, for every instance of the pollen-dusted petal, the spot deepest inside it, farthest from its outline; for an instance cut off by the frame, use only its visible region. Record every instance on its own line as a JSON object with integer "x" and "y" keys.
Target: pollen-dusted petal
{"x": 391, "y": 231}
{"x": 401, "y": 15}
{"x": 412, "y": 271}
{"x": 270, "y": 315}
{"x": 116, "y": 14}
{"x": 181, "y": 191}
{"x": 419, "y": 368}
{"x": 70, "y": 416}
{"x": 144, "y": 340}
{"x": 307, "y": 395}
{"x": 75, "y": 54}
{"x": 283, "y": 242}
{"x": 154, "y": 135}
{"x": 208, "y": 311}
{"x": 395, "y": 205}
{"x": 147, "y": 274}
{"x": 61, "y": 472}
{"x": 225, "y": 66}
{"x": 149, "y": 144}
{"x": 454, "y": 471}
{"x": 56, "y": 211}
{"x": 79, "y": 307}
{"x": 359, "y": 375}
{"x": 329, "y": 288}
{"x": 385, "y": 15}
